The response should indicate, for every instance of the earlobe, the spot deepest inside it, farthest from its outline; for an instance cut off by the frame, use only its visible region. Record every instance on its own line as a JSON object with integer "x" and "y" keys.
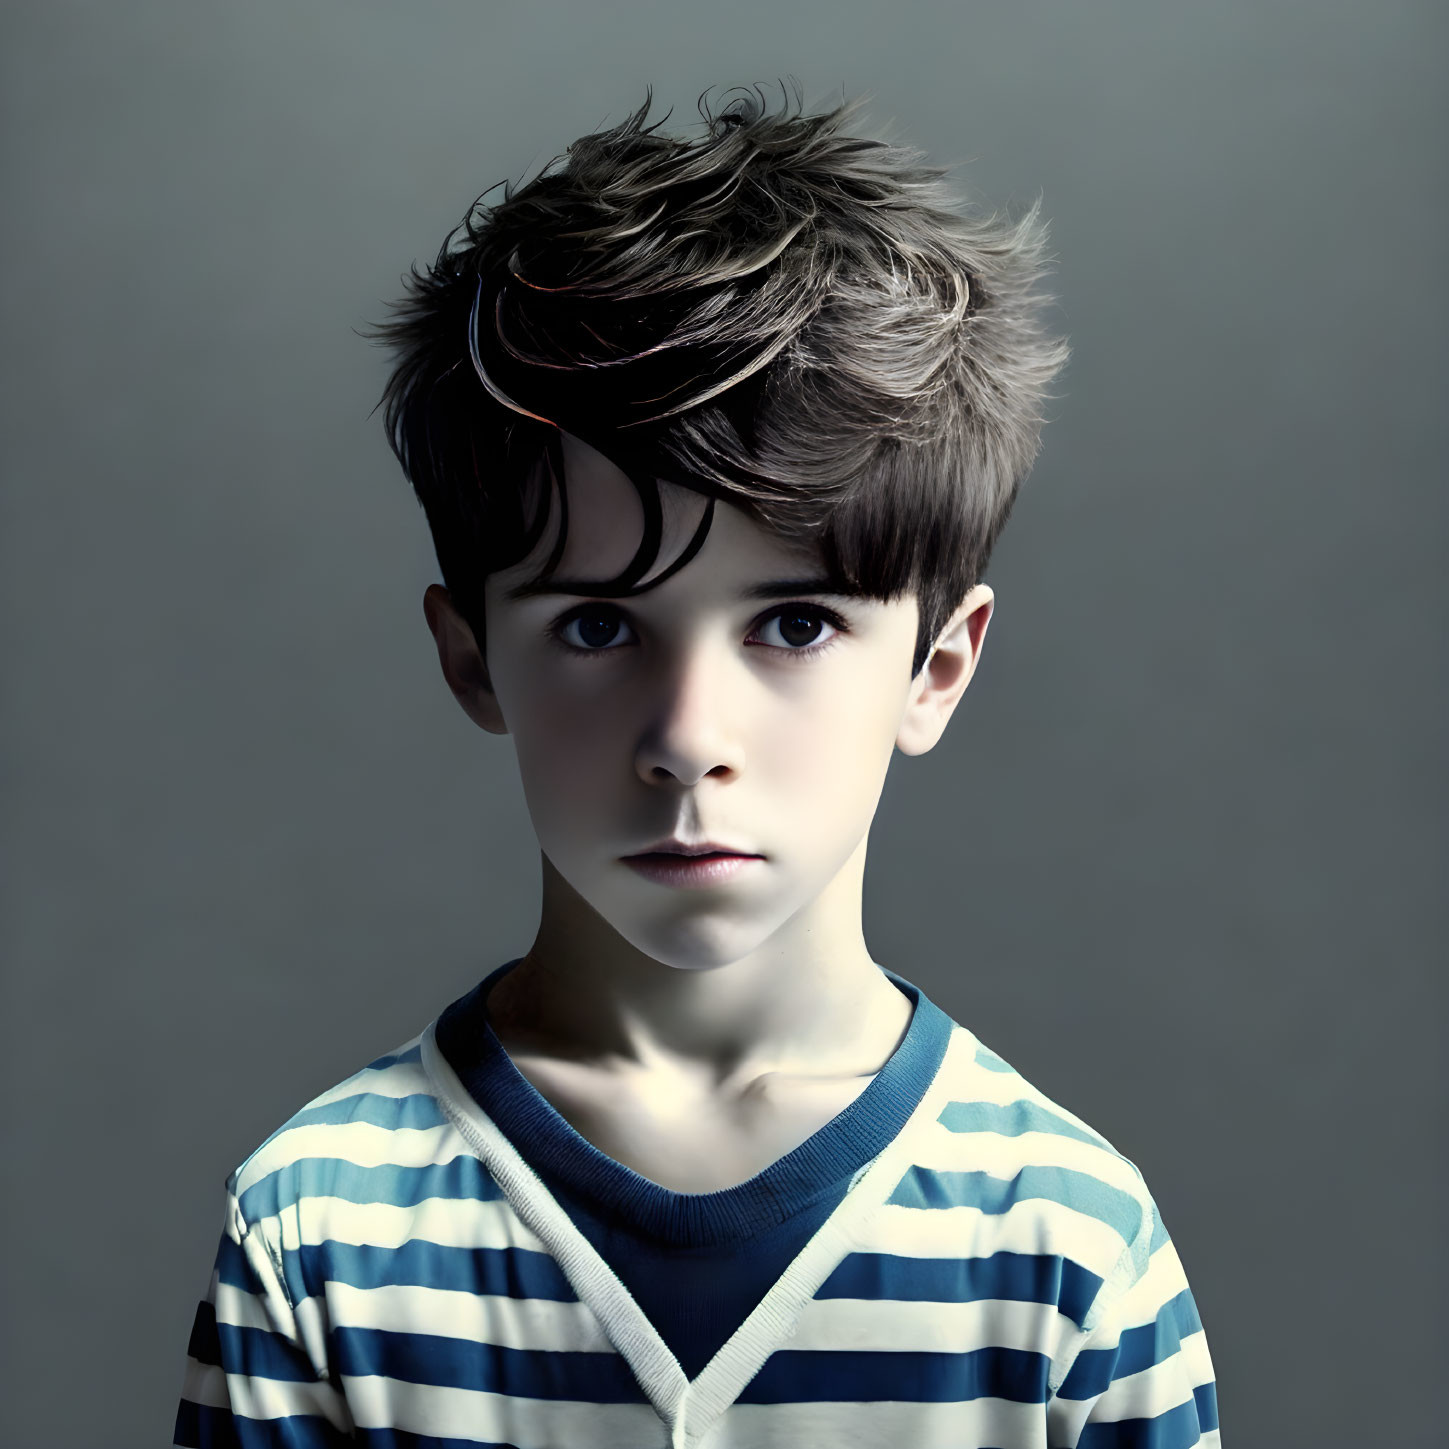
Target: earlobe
{"x": 462, "y": 663}
{"x": 937, "y": 689}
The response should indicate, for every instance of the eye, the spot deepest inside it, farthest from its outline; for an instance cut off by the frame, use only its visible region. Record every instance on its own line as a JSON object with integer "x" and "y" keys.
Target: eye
{"x": 589, "y": 629}
{"x": 797, "y": 626}
{"x": 792, "y": 629}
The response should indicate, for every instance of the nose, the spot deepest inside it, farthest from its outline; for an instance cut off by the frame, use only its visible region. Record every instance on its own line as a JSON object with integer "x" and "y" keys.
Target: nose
{"x": 688, "y": 731}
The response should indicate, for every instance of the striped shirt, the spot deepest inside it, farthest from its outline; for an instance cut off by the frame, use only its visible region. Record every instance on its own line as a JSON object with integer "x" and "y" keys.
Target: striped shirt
{"x": 427, "y": 1255}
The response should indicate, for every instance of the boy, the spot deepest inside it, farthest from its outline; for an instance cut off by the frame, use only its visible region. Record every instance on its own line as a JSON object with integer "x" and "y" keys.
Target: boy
{"x": 714, "y": 441}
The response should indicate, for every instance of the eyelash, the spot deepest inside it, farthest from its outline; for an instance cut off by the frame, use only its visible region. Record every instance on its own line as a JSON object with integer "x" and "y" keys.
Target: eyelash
{"x": 809, "y": 651}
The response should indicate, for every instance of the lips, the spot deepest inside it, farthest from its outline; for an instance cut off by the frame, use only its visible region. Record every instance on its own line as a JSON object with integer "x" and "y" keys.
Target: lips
{"x": 679, "y": 849}
{"x": 670, "y": 868}
{"x": 692, "y": 855}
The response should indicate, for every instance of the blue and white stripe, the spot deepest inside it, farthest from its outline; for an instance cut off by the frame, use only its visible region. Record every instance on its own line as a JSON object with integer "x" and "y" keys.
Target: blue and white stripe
{"x": 393, "y": 1273}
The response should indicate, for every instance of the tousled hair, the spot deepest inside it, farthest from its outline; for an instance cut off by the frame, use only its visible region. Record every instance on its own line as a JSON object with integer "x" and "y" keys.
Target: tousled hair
{"x": 778, "y": 315}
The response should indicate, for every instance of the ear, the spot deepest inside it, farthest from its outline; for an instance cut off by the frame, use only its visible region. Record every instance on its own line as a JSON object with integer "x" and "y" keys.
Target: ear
{"x": 463, "y": 665}
{"x": 938, "y": 688}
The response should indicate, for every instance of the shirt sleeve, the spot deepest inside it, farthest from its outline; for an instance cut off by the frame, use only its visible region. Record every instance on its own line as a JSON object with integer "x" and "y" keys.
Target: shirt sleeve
{"x": 253, "y": 1380}
{"x": 1143, "y": 1378}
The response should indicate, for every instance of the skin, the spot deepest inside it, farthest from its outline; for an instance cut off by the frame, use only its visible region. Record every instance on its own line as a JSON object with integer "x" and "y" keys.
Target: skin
{"x": 685, "y": 720}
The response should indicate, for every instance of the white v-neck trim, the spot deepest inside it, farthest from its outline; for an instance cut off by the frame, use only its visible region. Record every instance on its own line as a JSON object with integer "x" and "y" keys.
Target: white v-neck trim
{"x": 687, "y": 1408}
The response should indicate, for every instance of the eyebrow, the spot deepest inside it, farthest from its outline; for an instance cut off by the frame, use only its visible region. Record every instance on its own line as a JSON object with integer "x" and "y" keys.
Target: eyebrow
{"x": 770, "y": 589}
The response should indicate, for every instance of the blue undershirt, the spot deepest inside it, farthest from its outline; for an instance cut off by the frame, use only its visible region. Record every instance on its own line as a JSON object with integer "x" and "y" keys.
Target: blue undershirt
{"x": 696, "y": 1263}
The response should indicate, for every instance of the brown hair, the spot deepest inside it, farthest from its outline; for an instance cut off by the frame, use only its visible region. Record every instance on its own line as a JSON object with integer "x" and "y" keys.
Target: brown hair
{"x": 778, "y": 315}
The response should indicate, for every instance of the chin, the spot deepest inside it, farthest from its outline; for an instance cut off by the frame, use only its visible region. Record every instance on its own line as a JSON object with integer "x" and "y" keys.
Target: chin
{"x": 696, "y": 934}
{"x": 693, "y": 944}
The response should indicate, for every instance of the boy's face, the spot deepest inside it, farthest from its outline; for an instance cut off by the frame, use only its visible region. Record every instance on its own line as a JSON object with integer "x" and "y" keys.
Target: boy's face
{"x": 700, "y": 710}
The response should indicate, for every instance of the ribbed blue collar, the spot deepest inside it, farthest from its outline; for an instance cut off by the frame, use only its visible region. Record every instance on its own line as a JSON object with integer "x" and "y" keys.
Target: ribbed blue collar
{"x": 564, "y": 1158}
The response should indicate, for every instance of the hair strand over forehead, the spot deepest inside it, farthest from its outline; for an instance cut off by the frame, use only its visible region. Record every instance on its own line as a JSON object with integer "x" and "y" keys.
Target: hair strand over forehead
{"x": 803, "y": 323}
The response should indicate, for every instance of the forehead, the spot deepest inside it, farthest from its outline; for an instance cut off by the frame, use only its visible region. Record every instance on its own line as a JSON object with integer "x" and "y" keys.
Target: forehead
{"x": 606, "y": 524}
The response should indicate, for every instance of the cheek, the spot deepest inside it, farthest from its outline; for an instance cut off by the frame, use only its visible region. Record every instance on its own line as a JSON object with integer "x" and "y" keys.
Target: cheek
{"x": 830, "y": 757}
{"x": 564, "y": 760}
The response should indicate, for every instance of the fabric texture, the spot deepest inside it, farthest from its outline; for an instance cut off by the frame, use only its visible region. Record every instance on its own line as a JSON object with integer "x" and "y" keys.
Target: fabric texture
{"x": 427, "y": 1255}
{"x": 680, "y": 1254}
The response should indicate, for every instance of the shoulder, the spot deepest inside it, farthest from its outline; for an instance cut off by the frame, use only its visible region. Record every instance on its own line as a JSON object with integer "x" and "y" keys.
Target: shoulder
{"x": 358, "y": 1141}
{"x": 1090, "y": 1202}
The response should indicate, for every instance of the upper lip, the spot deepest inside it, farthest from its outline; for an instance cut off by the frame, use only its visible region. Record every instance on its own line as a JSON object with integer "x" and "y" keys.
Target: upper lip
{"x": 675, "y": 846}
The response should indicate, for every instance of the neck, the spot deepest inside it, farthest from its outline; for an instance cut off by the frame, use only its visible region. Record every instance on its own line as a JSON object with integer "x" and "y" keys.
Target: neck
{"x": 807, "y": 1001}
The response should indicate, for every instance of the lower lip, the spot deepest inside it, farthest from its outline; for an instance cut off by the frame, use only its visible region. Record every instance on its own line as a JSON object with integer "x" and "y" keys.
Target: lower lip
{"x": 687, "y": 870}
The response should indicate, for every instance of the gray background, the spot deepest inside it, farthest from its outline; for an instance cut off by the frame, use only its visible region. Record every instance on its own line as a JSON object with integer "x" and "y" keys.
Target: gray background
{"x": 1180, "y": 855}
